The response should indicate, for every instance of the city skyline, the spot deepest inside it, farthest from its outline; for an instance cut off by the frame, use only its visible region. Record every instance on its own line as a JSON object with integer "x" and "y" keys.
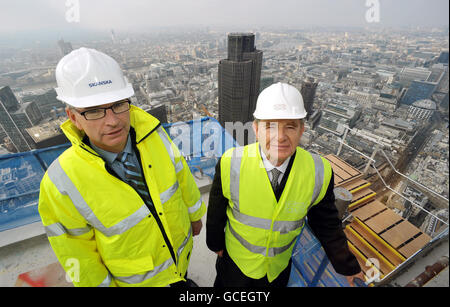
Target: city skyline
{"x": 50, "y": 20}
{"x": 381, "y": 93}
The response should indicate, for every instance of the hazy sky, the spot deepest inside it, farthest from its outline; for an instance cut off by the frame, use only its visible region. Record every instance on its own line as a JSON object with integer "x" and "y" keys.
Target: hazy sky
{"x": 53, "y": 16}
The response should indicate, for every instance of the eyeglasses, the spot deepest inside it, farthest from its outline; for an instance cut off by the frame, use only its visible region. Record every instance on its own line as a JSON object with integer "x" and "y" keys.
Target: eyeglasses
{"x": 117, "y": 108}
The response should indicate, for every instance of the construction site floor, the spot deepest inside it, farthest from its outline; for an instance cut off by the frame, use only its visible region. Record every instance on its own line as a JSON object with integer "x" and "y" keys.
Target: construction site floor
{"x": 36, "y": 253}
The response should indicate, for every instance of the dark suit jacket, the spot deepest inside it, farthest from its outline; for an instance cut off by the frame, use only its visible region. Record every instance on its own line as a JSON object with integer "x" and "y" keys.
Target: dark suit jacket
{"x": 322, "y": 219}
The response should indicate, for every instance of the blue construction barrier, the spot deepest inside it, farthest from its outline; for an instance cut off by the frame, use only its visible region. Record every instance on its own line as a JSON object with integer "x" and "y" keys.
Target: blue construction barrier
{"x": 310, "y": 264}
{"x": 201, "y": 142}
{"x": 20, "y": 177}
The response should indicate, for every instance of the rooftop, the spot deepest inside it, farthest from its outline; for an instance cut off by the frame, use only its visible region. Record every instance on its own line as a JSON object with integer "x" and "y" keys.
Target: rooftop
{"x": 381, "y": 239}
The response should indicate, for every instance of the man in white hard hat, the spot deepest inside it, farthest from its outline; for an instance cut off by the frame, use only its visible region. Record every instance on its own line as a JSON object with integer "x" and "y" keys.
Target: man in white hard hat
{"x": 120, "y": 206}
{"x": 261, "y": 195}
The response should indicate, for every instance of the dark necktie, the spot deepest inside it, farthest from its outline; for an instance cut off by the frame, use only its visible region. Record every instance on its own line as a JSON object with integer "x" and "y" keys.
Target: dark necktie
{"x": 133, "y": 177}
{"x": 275, "y": 175}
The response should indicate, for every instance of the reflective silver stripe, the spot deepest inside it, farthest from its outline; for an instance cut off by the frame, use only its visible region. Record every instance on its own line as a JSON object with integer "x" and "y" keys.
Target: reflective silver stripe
{"x": 319, "y": 175}
{"x": 281, "y": 226}
{"x": 271, "y": 252}
{"x": 58, "y": 229}
{"x": 138, "y": 278}
{"x": 287, "y": 226}
{"x": 165, "y": 139}
{"x": 162, "y": 134}
{"x": 167, "y": 194}
{"x": 66, "y": 187}
{"x": 195, "y": 207}
{"x": 107, "y": 281}
{"x": 251, "y": 220}
{"x": 235, "y": 172}
{"x": 183, "y": 244}
{"x": 179, "y": 166}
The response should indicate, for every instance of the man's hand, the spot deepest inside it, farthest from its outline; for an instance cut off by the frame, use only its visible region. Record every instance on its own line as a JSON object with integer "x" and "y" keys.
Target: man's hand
{"x": 196, "y": 227}
{"x": 220, "y": 253}
{"x": 350, "y": 279}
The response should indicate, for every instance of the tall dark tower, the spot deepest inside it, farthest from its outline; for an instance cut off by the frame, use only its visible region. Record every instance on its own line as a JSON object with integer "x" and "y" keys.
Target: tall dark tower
{"x": 308, "y": 92}
{"x": 239, "y": 78}
{"x": 64, "y": 47}
{"x": 9, "y": 114}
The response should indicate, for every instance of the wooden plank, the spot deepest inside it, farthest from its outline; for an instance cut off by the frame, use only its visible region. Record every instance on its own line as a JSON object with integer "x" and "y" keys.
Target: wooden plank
{"x": 400, "y": 233}
{"x": 366, "y": 211}
{"x": 410, "y": 248}
{"x": 362, "y": 201}
{"x": 354, "y": 184}
{"x": 361, "y": 194}
{"x": 337, "y": 180}
{"x": 341, "y": 174}
{"x": 365, "y": 250}
{"x": 385, "y": 219}
{"x": 375, "y": 242}
{"x": 343, "y": 165}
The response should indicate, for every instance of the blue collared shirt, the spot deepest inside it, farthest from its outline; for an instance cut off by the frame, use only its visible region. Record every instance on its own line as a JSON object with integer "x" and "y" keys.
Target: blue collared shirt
{"x": 111, "y": 158}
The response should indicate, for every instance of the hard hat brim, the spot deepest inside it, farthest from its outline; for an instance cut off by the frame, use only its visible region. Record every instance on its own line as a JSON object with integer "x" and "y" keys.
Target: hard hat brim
{"x": 274, "y": 116}
{"x": 98, "y": 99}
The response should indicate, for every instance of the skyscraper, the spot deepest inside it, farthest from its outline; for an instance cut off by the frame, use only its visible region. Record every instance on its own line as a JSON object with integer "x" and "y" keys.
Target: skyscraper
{"x": 308, "y": 92}
{"x": 8, "y": 107}
{"x": 64, "y": 47}
{"x": 443, "y": 57}
{"x": 239, "y": 79}
{"x": 419, "y": 90}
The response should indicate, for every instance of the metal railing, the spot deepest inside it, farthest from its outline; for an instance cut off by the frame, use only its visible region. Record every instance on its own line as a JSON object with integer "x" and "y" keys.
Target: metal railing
{"x": 371, "y": 162}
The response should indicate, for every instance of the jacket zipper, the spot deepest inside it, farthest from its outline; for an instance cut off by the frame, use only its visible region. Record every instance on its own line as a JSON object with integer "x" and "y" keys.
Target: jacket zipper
{"x": 153, "y": 210}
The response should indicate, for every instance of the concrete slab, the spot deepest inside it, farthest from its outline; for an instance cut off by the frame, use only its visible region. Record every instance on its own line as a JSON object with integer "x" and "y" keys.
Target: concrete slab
{"x": 202, "y": 268}
{"x": 33, "y": 253}
{"x": 440, "y": 280}
{"x": 419, "y": 266}
{"x": 24, "y": 256}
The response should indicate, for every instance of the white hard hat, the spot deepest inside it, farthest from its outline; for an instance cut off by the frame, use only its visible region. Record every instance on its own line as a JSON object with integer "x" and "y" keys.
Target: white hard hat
{"x": 87, "y": 78}
{"x": 280, "y": 101}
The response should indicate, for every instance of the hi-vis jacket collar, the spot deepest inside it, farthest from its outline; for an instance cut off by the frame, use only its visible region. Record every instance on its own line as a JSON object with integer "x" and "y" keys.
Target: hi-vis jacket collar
{"x": 138, "y": 117}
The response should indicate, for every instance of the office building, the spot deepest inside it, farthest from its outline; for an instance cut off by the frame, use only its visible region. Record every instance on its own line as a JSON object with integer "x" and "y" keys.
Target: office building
{"x": 160, "y": 112}
{"x": 46, "y": 102}
{"x": 8, "y": 99}
{"x": 419, "y": 90}
{"x": 443, "y": 57}
{"x": 64, "y": 47}
{"x": 239, "y": 79}
{"x": 409, "y": 74}
{"x": 152, "y": 82}
{"x": 47, "y": 134}
{"x": 9, "y": 113}
{"x": 422, "y": 110}
{"x": 308, "y": 92}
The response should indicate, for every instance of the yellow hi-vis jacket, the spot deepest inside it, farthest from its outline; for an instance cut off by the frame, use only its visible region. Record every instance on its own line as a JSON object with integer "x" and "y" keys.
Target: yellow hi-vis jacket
{"x": 100, "y": 228}
{"x": 261, "y": 232}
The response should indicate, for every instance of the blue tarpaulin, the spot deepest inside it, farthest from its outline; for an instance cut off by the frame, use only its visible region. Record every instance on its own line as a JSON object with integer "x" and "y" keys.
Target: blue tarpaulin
{"x": 202, "y": 142}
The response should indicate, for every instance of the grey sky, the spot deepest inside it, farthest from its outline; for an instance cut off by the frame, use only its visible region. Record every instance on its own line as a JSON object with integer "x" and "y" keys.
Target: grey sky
{"x": 103, "y": 15}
